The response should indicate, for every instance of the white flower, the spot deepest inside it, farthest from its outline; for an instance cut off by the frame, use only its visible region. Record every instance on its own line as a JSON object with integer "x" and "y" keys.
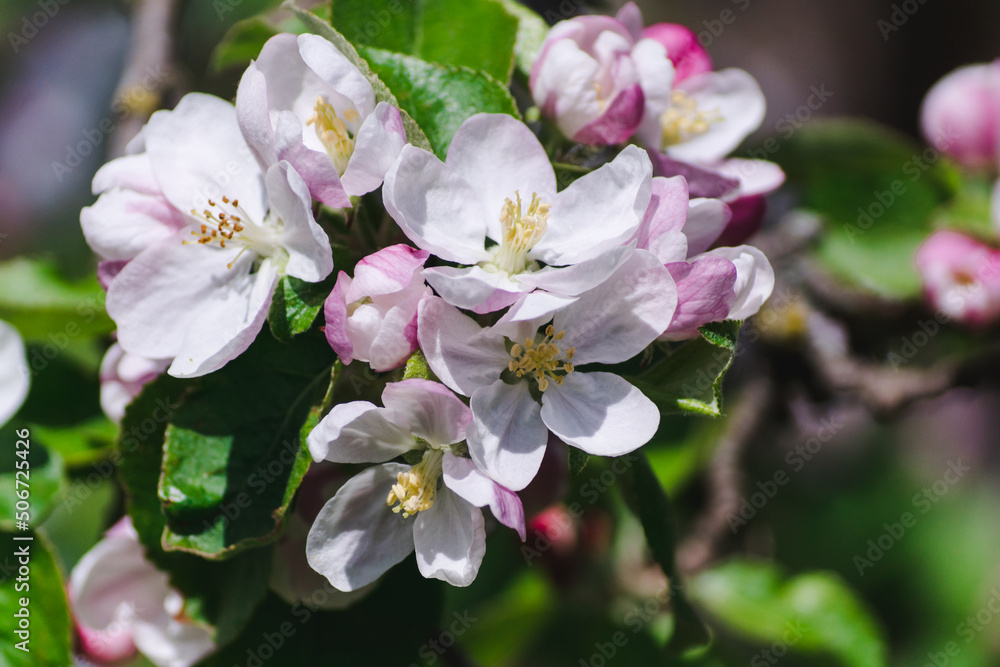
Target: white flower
{"x": 522, "y": 382}
{"x": 123, "y": 376}
{"x": 387, "y": 511}
{"x": 200, "y": 296}
{"x": 14, "y": 374}
{"x": 493, "y": 205}
{"x": 121, "y": 602}
{"x": 304, "y": 102}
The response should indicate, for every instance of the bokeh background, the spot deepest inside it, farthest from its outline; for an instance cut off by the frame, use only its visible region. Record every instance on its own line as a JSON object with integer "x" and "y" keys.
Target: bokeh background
{"x": 57, "y": 84}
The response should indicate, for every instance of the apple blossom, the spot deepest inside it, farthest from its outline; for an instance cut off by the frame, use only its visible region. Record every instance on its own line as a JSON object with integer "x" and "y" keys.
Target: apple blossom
{"x": 123, "y": 376}
{"x": 199, "y": 296}
{"x": 373, "y": 317}
{"x": 303, "y": 101}
{"x": 522, "y": 377}
{"x": 961, "y": 115}
{"x": 361, "y": 532}
{"x": 14, "y": 374}
{"x": 961, "y": 277}
{"x": 497, "y": 187}
{"x": 121, "y": 603}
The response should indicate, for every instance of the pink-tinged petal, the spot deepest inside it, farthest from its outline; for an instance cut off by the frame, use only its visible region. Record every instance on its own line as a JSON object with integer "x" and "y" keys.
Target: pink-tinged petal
{"x": 474, "y": 288}
{"x": 376, "y": 147}
{"x": 660, "y": 231}
{"x": 435, "y": 207}
{"x": 683, "y": 48}
{"x": 754, "y": 279}
{"x": 702, "y": 181}
{"x": 507, "y": 438}
{"x": 463, "y": 477}
{"x": 631, "y": 17}
{"x": 198, "y": 153}
{"x": 618, "y": 122}
{"x": 335, "y": 314}
{"x": 618, "y": 319}
{"x": 748, "y": 214}
{"x": 961, "y": 277}
{"x": 430, "y": 409}
{"x": 129, "y": 172}
{"x": 450, "y": 540}
{"x": 387, "y": 271}
{"x": 737, "y": 98}
{"x": 563, "y": 85}
{"x": 123, "y": 223}
{"x": 14, "y": 373}
{"x": 254, "y": 116}
{"x": 961, "y": 115}
{"x": 499, "y": 156}
{"x": 356, "y": 538}
{"x": 123, "y": 376}
{"x": 705, "y": 294}
{"x": 600, "y": 413}
{"x": 310, "y": 257}
{"x": 462, "y": 354}
{"x": 598, "y": 212}
{"x": 314, "y": 166}
{"x": 171, "y": 642}
{"x": 107, "y": 271}
{"x": 756, "y": 177}
{"x": 707, "y": 219}
{"x": 334, "y": 69}
{"x": 359, "y": 432}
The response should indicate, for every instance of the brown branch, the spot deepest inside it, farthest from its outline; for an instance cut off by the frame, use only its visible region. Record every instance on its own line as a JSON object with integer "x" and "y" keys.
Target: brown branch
{"x": 148, "y": 70}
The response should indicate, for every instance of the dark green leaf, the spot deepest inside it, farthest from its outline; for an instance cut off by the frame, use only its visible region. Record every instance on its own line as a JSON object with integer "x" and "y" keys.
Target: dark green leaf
{"x": 48, "y": 638}
{"x": 756, "y": 600}
{"x": 296, "y": 304}
{"x": 447, "y": 32}
{"x": 318, "y": 26}
{"x": 80, "y": 444}
{"x": 578, "y": 460}
{"x": 531, "y": 32}
{"x": 690, "y": 379}
{"x": 242, "y": 43}
{"x": 39, "y": 477}
{"x": 439, "y": 97}
{"x": 234, "y": 454}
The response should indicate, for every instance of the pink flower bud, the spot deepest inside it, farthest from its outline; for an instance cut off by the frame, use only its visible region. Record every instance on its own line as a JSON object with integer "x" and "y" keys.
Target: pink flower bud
{"x": 961, "y": 277}
{"x": 685, "y": 52}
{"x": 961, "y": 115}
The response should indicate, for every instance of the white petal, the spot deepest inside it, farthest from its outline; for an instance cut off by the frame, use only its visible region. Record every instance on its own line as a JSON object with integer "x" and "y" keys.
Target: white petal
{"x": 756, "y": 177}
{"x": 754, "y": 279}
{"x": 450, "y": 540}
{"x": 656, "y": 72}
{"x": 254, "y": 116}
{"x": 618, "y": 319}
{"x": 171, "y": 643}
{"x": 376, "y": 147}
{"x": 507, "y": 439}
{"x": 309, "y": 255}
{"x": 600, "y": 413}
{"x": 705, "y": 221}
{"x": 431, "y": 410}
{"x": 435, "y": 207}
{"x": 462, "y": 354}
{"x": 123, "y": 223}
{"x": 14, "y": 373}
{"x": 463, "y": 477}
{"x": 129, "y": 172}
{"x": 599, "y": 211}
{"x": 472, "y": 287}
{"x": 359, "y": 432}
{"x": 356, "y": 536}
{"x": 337, "y": 71}
{"x": 578, "y": 278}
{"x": 498, "y": 155}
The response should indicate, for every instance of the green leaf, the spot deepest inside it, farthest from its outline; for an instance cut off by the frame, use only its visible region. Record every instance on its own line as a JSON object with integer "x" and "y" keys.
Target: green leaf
{"x": 81, "y": 444}
{"x": 756, "y": 600}
{"x": 221, "y": 596}
{"x": 447, "y": 32}
{"x": 440, "y": 97}
{"x": 656, "y": 514}
{"x": 48, "y": 637}
{"x": 690, "y": 378}
{"x": 970, "y": 210}
{"x": 40, "y": 477}
{"x": 44, "y": 307}
{"x": 320, "y": 27}
{"x": 234, "y": 454}
{"x": 578, "y": 460}
{"x": 531, "y": 32}
{"x": 296, "y": 304}
{"x": 242, "y": 43}
{"x": 876, "y": 191}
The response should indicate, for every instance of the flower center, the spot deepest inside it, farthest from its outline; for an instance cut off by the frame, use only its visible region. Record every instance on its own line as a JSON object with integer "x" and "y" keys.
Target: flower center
{"x": 416, "y": 489}
{"x": 542, "y": 359}
{"x": 333, "y": 132}
{"x": 520, "y": 232}
{"x": 683, "y": 120}
{"x": 226, "y": 223}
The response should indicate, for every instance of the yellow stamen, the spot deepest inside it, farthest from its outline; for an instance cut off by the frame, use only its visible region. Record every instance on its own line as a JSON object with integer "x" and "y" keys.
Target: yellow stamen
{"x": 683, "y": 120}
{"x": 542, "y": 360}
{"x": 333, "y": 132}
{"x": 520, "y": 232}
{"x": 416, "y": 489}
